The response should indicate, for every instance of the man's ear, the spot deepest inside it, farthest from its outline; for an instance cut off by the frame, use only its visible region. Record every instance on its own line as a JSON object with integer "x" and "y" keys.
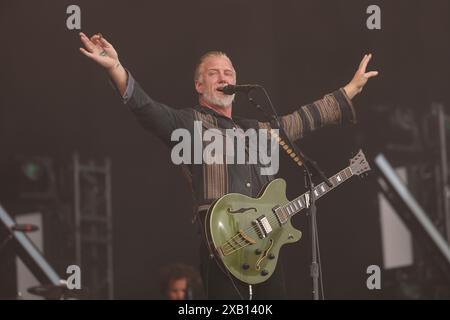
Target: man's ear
{"x": 198, "y": 87}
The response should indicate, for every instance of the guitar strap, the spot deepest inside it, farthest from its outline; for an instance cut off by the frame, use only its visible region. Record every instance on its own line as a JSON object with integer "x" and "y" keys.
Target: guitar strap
{"x": 285, "y": 146}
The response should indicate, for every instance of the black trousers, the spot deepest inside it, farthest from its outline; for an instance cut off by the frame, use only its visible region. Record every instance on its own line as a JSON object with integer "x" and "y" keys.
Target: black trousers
{"x": 220, "y": 286}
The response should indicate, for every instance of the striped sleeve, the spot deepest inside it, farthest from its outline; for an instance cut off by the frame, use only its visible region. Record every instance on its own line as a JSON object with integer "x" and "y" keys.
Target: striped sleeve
{"x": 333, "y": 109}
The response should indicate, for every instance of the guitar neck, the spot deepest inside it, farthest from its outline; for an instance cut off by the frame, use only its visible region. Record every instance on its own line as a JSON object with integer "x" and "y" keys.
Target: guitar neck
{"x": 300, "y": 203}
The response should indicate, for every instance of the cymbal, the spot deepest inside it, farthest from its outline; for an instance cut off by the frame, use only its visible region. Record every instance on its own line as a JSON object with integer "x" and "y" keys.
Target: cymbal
{"x": 54, "y": 292}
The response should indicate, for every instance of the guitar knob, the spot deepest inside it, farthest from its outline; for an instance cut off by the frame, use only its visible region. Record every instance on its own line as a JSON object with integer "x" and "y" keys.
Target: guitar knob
{"x": 271, "y": 256}
{"x": 264, "y": 272}
{"x": 245, "y": 266}
{"x": 258, "y": 252}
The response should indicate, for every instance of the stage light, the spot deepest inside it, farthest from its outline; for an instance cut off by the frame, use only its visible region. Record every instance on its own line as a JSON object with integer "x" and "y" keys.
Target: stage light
{"x": 28, "y": 178}
{"x": 32, "y": 170}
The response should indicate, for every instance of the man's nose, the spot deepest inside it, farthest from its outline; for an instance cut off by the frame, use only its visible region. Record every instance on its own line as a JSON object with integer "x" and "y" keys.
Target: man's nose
{"x": 222, "y": 77}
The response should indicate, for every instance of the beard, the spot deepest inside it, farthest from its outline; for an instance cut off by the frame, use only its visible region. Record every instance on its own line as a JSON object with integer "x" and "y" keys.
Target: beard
{"x": 212, "y": 98}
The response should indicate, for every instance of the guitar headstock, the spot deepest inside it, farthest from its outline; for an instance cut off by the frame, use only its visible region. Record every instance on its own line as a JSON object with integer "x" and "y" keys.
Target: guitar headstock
{"x": 359, "y": 164}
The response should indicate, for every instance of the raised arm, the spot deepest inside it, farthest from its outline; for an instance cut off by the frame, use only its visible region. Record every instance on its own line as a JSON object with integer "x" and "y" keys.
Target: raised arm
{"x": 102, "y": 52}
{"x": 154, "y": 116}
{"x": 333, "y": 109}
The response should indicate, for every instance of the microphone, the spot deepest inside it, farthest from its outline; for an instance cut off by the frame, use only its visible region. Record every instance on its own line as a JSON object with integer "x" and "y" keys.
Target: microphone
{"x": 232, "y": 89}
{"x": 24, "y": 227}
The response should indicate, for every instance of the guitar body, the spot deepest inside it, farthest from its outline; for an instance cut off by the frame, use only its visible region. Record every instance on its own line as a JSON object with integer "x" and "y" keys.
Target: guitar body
{"x": 246, "y": 234}
{"x": 240, "y": 246}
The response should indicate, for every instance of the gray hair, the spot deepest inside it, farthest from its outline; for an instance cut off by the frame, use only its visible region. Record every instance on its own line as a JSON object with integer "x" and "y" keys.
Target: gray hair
{"x": 209, "y": 54}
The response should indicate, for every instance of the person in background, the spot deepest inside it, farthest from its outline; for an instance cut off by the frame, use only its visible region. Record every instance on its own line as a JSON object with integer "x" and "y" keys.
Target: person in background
{"x": 180, "y": 282}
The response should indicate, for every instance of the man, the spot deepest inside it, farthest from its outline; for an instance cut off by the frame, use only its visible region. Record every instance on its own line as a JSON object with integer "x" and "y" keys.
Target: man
{"x": 210, "y": 181}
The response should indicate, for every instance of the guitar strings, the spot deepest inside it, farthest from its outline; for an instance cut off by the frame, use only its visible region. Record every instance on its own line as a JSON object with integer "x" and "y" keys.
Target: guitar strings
{"x": 229, "y": 248}
{"x": 242, "y": 243}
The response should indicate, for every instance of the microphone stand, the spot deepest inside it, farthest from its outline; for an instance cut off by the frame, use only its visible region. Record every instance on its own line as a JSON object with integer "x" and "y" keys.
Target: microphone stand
{"x": 308, "y": 163}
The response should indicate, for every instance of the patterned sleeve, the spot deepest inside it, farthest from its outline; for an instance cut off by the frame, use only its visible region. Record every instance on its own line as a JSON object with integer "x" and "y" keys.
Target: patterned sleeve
{"x": 333, "y": 109}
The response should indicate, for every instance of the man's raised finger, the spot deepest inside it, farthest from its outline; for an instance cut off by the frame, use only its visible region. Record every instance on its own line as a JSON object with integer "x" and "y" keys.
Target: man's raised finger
{"x": 365, "y": 62}
{"x": 95, "y": 39}
{"x": 87, "y": 53}
{"x": 87, "y": 43}
{"x": 362, "y": 61}
{"x": 104, "y": 42}
{"x": 371, "y": 74}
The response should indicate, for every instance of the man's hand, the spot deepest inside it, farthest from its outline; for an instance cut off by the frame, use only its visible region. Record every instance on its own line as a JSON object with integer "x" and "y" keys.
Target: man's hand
{"x": 99, "y": 50}
{"x": 102, "y": 52}
{"x": 360, "y": 78}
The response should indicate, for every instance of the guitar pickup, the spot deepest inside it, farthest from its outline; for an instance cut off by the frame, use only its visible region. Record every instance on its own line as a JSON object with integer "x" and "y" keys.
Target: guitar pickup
{"x": 263, "y": 226}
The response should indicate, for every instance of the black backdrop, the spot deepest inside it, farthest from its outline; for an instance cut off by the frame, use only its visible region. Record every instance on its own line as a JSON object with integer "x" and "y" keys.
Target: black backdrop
{"x": 54, "y": 101}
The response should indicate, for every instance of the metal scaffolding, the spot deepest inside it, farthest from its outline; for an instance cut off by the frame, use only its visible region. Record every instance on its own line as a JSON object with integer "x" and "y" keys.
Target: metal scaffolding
{"x": 443, "y": 194}
{"x": 426, "y": 159}
{"x": 93, "y": 226}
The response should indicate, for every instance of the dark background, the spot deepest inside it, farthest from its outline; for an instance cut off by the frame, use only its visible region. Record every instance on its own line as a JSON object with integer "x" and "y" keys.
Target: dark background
{"x": 54, "y": 101}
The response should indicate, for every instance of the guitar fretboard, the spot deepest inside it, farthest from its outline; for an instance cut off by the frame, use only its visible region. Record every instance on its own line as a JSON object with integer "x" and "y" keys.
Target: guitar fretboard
{"x": 298, "y": 204}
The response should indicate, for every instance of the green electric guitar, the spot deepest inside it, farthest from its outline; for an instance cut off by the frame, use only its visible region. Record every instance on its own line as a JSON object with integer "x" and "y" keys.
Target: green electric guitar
{"x": 246, "y": 234}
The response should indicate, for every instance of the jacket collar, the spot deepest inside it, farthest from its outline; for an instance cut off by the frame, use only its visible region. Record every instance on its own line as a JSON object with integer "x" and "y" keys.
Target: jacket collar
{"x": 243, "y": 122}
